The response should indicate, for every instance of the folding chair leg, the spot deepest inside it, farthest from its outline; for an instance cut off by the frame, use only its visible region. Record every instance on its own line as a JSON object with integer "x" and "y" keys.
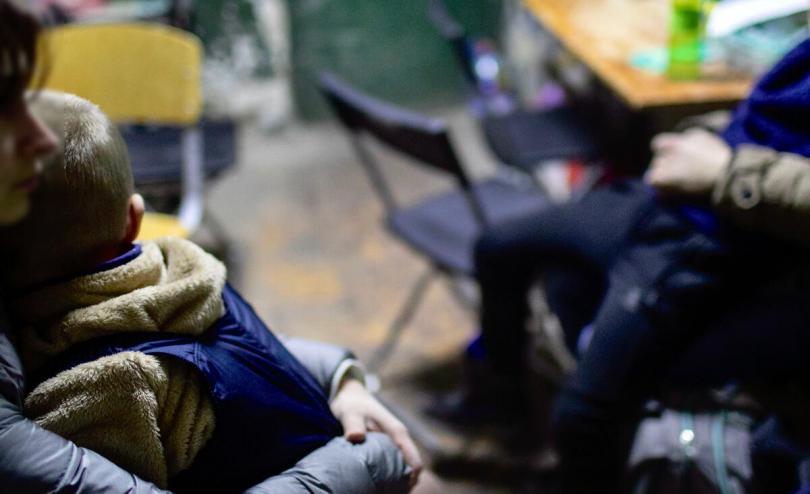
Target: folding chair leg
{"x": 466, "y": 292}
{"x": 381, "y": 354}
{"x": 231, "y": 252}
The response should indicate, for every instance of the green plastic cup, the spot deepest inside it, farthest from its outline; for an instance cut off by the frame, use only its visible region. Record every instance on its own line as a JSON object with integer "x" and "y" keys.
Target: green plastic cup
{"x": 686, "y": 35}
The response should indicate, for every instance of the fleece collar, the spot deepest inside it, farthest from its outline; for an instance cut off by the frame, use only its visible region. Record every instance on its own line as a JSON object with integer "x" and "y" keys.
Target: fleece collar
{"x": 172, "y": 286}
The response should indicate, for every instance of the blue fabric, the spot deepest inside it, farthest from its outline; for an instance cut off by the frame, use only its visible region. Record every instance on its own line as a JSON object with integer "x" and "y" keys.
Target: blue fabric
{"x": 269, "y": 410}
{"x": 476, "y": 351}
{"x": 131, "y": 253}
{"x": 704, "y": 219}
{"x": 777, "y": 112}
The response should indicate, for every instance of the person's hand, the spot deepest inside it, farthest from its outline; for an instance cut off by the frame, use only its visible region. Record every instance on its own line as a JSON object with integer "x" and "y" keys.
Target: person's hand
{"x": 358, "y": 411}
{"x": 689, "y": 163}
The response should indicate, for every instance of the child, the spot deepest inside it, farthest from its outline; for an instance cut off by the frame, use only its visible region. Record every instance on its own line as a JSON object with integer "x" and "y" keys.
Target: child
{"x": 143, "y": 352}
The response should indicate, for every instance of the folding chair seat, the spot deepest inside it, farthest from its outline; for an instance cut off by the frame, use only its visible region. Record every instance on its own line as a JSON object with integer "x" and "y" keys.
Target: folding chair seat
{"x": 520, "y": 138}
{"x": 156, "y": 152}
{"x": 526, "y": 139}
{"x": 443, "y": 228}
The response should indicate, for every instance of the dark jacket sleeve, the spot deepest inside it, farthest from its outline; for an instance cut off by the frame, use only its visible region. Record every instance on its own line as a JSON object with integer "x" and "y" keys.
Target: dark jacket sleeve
{"x": 320, "y": 359}
{"x": 375, "y": 466}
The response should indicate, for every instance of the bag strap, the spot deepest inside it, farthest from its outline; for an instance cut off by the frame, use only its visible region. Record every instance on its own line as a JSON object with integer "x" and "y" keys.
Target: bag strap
{"x": 687, "y": 440}
{"x": 719, "y": 450}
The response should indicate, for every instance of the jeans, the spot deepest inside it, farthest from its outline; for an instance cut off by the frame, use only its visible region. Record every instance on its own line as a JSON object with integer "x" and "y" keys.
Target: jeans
{"x": 557, "y": 240}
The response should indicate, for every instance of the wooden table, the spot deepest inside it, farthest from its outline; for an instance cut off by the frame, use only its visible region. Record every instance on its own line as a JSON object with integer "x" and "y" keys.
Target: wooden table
{"x": 630, "y": 105}
{"x": 603, "y": 34}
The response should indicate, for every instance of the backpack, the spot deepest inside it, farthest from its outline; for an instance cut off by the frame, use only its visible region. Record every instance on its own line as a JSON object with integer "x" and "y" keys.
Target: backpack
{"x": 676, "y": 452}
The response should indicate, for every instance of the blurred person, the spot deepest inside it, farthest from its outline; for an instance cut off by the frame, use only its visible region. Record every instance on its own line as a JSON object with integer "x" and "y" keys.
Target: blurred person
{"x": 717, "y": 217}
{"x": 24, "y": 140}
{"x": 35, "y": 460}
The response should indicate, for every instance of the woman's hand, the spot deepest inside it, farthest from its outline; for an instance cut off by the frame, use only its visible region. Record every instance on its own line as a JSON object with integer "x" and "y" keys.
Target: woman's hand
{"x": 358, "y": 411}
{"x": 689, "y": 163}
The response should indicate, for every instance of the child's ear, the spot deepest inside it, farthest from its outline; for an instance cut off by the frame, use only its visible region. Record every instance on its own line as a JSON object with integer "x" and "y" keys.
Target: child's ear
{"x": 135, "y": 211}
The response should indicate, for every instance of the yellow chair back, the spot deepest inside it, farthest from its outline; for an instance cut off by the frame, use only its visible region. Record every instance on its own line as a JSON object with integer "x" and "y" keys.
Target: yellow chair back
{"x": 136, "y": 72}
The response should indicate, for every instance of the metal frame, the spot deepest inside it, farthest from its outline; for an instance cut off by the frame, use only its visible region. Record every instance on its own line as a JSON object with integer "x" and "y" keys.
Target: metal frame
{"x": 361, "y": 114}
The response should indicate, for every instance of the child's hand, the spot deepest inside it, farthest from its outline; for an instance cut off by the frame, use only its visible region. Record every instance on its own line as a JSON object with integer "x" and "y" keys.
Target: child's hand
{"x": 689, "y": 163}
{"x": 359, "y": 412}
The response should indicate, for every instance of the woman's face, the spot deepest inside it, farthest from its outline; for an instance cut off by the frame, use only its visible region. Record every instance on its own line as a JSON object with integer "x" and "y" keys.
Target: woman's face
{"x": 24, "y": 142}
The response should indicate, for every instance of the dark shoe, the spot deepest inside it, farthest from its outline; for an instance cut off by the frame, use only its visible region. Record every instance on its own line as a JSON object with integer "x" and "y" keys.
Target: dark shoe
{"x": 483, "y": 397}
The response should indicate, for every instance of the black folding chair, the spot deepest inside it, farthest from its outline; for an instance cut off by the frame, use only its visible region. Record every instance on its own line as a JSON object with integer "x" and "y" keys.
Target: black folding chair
{"x": 156, "y": 156}
{"x": 442, "y": 227}
{"x": 520, "y": 138}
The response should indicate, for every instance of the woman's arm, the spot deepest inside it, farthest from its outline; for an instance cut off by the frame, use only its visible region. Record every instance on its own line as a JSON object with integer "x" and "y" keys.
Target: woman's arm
{"x": 376, "y": 465}
{"x": 327, "y": 363}
{"x": 342, "y": 378}
{"x": 33, "y": 460}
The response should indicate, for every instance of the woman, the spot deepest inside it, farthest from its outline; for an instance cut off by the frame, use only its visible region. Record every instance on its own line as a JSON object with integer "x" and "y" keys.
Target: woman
{"x": 34, "y": 460}
{"x": 24, "y": 140}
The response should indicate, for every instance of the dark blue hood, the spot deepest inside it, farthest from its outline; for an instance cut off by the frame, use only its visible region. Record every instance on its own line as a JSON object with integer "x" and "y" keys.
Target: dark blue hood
{"x": 777, "y": 112}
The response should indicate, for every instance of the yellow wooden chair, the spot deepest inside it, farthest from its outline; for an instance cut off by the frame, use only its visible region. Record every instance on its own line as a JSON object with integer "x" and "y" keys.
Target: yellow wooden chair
{"x": 139, "y": 73}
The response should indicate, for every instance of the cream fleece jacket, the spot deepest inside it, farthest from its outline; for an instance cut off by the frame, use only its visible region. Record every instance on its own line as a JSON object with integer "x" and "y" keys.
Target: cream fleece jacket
{"x": 151, "y": 415}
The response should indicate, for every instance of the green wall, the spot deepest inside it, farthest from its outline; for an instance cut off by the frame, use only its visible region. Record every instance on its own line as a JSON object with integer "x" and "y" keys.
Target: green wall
{"x": 385, "y": 47}
{"x": 220, "y": 22}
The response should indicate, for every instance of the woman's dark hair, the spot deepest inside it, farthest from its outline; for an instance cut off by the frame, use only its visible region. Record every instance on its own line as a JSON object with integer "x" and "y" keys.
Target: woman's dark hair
{"x": 18, "y": 46}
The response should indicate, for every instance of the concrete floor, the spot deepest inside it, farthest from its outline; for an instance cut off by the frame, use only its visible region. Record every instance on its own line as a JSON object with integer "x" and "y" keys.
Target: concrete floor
{"x": 316, "y": 262}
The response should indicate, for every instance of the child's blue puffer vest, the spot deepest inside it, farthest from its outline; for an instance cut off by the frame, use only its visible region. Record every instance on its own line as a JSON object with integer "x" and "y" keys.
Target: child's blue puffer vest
{"x": 269, "y": 410}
